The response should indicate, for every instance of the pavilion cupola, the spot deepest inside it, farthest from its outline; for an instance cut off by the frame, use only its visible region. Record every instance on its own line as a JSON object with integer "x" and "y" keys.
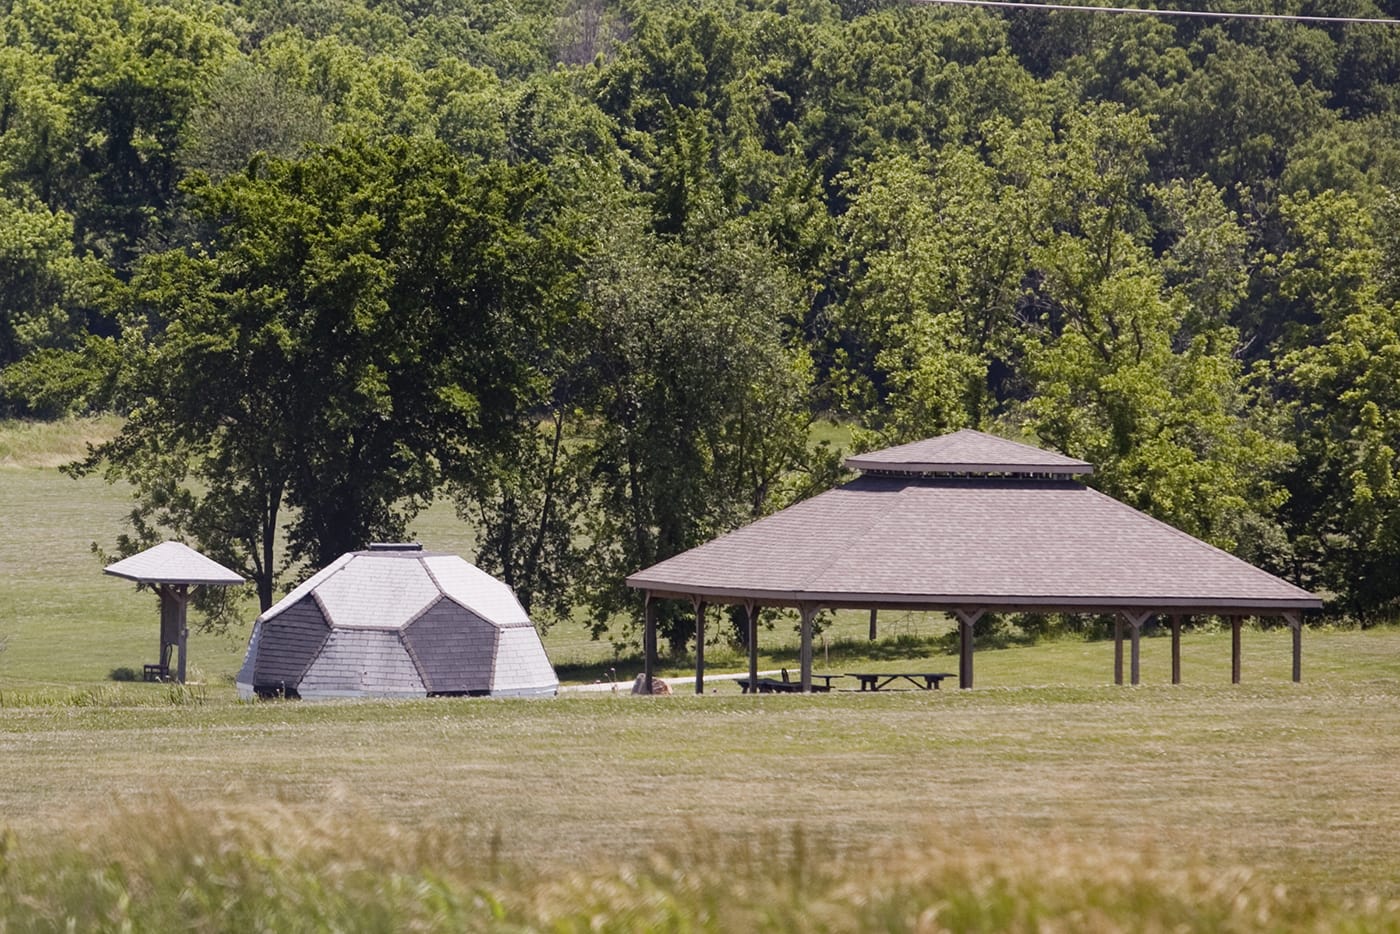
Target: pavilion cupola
{"x": 968, "y": 453}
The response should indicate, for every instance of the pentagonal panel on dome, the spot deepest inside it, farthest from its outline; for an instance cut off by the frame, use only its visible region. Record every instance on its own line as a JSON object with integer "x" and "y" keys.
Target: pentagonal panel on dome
{"x": 472, "y": 587}
{"x": 285, "y": 646}
{"x": 377, "y": 592}
{"x": 359, "y": 662}
{"x": 454, "y": 649}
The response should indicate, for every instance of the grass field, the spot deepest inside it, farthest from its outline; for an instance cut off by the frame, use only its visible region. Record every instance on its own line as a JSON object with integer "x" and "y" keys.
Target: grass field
{"x": 1046, "y": 799}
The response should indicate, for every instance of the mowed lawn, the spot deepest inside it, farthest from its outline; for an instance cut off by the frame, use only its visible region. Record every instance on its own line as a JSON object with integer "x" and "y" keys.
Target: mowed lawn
{"x": 1293, "y": 786}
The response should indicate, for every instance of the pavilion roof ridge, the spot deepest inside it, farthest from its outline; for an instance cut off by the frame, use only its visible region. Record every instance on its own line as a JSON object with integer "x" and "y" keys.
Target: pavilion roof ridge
{"x": 967, "y": 451}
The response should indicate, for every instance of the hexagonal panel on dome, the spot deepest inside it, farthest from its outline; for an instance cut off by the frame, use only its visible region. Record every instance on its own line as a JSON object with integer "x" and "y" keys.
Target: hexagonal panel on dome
{"x": 377, "y": 592}
{"x": 361, "y": 662}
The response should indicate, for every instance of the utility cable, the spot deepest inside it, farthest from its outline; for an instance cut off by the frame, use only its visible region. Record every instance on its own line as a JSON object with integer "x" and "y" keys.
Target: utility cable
{"x": 1140, "y": 11}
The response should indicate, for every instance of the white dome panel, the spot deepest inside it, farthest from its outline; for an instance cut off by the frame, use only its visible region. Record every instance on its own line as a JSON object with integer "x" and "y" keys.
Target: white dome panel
{"x": 375, "y": 592}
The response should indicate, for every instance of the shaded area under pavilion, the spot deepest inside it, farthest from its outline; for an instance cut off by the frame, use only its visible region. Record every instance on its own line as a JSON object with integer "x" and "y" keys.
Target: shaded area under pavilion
{"x": 968, "y": 524}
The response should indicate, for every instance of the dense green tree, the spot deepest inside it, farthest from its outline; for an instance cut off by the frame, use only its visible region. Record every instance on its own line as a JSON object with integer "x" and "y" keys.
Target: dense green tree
{"x": 1341, "y": 385}
{"x": 354, "y": 324}
{"x": 696, "y": 395}
{"x": 249, "y": 110}
{"x": 46, "y": 292}
{"x": 1138, "y": 378}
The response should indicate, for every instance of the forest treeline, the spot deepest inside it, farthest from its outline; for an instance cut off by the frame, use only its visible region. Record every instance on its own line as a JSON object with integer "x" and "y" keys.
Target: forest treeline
{"x": 594, "y": 269}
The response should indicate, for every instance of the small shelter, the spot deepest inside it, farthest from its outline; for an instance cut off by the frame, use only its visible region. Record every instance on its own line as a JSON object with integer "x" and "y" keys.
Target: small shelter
{"x": 172, "y": 568}
{"x": 968, "y": 523}
{"x": 396, "y": 621}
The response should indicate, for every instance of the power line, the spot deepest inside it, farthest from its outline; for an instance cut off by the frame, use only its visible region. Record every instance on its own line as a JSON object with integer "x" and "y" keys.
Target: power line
{"x": 1205, "y": 14}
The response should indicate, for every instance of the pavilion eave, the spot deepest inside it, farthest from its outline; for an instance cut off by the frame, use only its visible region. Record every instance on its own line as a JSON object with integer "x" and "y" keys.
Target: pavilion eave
{"x": 1000, "y": 603}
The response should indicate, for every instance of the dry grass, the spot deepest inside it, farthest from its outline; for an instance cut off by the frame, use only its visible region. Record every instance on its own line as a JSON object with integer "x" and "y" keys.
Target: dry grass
{"x": 335, "y": 867}
{"x": 52, "y": 444}
{"x": 1295, "y": 783}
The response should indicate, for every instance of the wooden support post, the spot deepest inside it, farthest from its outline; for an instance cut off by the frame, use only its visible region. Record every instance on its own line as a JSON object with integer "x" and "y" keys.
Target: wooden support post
{"x": 183, "y": 595}
{"x": 699, "y": 646}
{"x": 174, "y": 629}
{"x": 751, "y": 617}
{"x": 1117, "y": 650}
{"x": 808, "y": 611}
{"x": 873, "y": 615}
{"x": 1235, "y": 623}
{"x": 1176, "y": 648}
{"x": 966, "y": 619}
{"x": 1135, "y": 623}
{"x": 1295, "y": 622}
{"x": 648, "y": 641}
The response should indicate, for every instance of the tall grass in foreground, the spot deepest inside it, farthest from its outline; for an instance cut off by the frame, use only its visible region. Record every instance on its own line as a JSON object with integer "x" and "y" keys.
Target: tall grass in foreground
{"x": 280, "y": 868}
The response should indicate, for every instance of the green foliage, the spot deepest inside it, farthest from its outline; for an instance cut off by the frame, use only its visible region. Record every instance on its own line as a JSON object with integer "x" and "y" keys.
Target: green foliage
{"x": 567, "y": 255}
{"x": 1340, "y": 388}
{"x": 696, "y": 392}
{"x": 352, "y": 328}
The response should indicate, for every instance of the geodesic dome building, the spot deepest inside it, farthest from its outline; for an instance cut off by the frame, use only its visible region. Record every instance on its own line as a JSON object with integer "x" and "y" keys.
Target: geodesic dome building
{"x": 397, "y": 621}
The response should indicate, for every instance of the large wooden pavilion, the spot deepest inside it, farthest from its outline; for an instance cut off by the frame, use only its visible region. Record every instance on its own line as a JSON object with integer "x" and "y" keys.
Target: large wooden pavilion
{"x": 968, "y": 523}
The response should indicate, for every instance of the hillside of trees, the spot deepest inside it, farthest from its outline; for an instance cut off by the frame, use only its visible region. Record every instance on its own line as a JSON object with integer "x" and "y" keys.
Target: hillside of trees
{"x": 594, "y": 269}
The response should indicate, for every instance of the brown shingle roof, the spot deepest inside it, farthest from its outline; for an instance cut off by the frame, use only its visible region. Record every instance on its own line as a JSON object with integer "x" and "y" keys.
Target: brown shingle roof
{"x": 977, "y": 542}
{"x": 967, "y": 451}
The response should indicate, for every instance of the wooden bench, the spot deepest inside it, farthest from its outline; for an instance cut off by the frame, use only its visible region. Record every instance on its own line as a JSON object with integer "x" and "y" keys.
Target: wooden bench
{"x": 923, "y": 680}
{"x": 776, "y": 686}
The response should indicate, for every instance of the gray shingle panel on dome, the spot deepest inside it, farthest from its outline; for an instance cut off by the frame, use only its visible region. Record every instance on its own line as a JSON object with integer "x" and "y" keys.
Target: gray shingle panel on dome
{"x": 521, "y": 664}
{"x": 244, "y": 678}
{"x": 967, "y": 451}
{"x": 454, "y": 648}
{"x": 288, "y": 643}
{"x": 356, "y": 662}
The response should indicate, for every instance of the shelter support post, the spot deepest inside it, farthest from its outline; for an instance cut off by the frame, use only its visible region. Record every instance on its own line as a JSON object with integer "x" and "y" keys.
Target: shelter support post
{"x": 751, "y": 620}
{"x": 1235, "y": 624}
{"x": 1118, "y": 650}
{"x": 966, "y": 619}
{"x": 1135, "y": 623}
{"x": 699, "y": 646}
{"x": 809, "y": 612}
{"x": 174, "y": 629}
{"x": 1176, "y": 648}
{"x": 1295, "y": 622}
{"x": 874, "y": 614}
{"x": 648, "y": 641}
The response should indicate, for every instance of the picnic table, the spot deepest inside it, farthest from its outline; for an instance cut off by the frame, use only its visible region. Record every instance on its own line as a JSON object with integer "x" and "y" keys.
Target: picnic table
{"x": 923, "y": 680}
{"x": 784, "y": 685}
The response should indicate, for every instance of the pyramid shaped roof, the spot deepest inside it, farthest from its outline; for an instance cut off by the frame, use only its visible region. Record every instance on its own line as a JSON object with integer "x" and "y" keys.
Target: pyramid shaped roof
{"x": 967, "y": 452}
{"x": 172, "y": 563}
